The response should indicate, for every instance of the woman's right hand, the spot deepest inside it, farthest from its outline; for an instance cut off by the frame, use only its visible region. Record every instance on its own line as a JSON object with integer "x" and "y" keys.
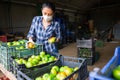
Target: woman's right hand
{"x": 30, "y": 43}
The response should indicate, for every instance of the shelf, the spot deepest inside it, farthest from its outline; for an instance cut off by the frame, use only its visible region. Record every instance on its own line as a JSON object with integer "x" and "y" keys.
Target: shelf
{"x": 7, "y": 73}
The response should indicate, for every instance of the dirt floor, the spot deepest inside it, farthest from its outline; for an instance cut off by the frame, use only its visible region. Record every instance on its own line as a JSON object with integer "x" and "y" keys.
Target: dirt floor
{"x": 106, "y": 52}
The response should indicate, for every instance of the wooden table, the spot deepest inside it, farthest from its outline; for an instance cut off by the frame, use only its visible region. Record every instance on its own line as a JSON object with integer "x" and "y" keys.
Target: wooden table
{"x": 7, "y": 73}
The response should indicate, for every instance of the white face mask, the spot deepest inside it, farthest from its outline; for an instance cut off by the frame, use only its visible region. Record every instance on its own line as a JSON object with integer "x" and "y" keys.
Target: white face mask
{"x": 47, "y": 18}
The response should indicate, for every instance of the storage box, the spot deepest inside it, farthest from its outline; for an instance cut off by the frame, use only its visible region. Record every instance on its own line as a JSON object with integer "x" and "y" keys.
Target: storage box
{"x": 81, "y": 73}
{"x": 86, "y": 43}
{"x": 85, "y": 52}
{"x": 7, "y": 52}
{"x": 106, "y": 72}
{"x": 88, "y": 53}
{"x": 3, "y": 38}
{"x": 14, "y": 66}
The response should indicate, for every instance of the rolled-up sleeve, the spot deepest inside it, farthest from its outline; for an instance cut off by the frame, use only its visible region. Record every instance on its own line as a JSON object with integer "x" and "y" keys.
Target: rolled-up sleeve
{"x": 31, "y": 32}
{"x": 58, "y": 31}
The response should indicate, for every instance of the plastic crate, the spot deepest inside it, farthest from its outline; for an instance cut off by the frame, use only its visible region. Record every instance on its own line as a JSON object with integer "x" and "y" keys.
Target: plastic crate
{"x": 85, "y": 52}
{"x": 4, "y": 56}
{"x": 88, "y": 53}
{"x": 106, "y": 72}
{"x": 24, "y": 53}
{"x": 86, "y": 43}
{"x": 7, "y": 52}
{"x": 82, "y": 72}
{"x": 14, "y": 66}
{"x": 3, "y": 38}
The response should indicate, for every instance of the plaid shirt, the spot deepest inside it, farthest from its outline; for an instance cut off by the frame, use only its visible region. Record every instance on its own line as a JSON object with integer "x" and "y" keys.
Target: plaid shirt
{"x": 42, "y": 35}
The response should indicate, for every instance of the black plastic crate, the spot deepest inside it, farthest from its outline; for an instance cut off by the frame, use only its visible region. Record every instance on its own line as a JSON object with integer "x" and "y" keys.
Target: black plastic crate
{"x": 90, "y": 60}
{"x": 88, "y": 53}
{"x": 82, "y": 72}
{"x": 14, "y": 66}
{"x": 85, "y": 52}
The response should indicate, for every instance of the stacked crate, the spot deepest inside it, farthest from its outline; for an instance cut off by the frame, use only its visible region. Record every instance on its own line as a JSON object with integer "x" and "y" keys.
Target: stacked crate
{"x": 6, "y": 52}
{"x": 86, "y": 49}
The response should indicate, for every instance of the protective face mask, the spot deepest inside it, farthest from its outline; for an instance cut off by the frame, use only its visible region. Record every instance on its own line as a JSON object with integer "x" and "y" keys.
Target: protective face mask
{"x": 47, "y": 18}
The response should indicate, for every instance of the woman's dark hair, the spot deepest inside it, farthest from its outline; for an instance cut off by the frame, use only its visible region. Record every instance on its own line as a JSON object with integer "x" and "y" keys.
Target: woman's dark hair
{"x": 49, "y": 5}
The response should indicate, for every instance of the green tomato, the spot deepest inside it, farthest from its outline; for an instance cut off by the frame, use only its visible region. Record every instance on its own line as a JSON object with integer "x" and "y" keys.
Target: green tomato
{"x": 42, "y": 53}
{"x": 54, "y": 72}
{"x": 35, "y": 61}
{"x": 116, "y": 73}
{"x": 29, "y": 64}
{"x": 38, "y": 78}
{"x": 45, "y": 76}
{"x": 56, "y": 68}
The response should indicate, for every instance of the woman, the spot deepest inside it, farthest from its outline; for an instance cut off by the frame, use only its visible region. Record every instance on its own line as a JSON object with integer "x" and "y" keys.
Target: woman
{"x": 44, "y": 27}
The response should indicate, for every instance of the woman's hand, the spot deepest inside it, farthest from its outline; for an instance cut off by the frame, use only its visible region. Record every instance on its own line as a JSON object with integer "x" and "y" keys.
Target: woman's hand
{"x": 57, "y": 40}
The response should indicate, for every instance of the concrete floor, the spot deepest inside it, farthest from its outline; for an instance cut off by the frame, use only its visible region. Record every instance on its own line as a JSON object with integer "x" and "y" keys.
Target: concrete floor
{"x": 106, "y": 53}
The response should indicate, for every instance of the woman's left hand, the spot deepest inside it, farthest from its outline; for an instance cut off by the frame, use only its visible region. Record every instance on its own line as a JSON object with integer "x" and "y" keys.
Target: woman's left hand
{"x": 57, "y": 40}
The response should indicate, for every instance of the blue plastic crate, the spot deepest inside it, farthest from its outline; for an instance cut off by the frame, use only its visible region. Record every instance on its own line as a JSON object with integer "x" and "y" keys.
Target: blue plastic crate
{"x": 106, "y": 72}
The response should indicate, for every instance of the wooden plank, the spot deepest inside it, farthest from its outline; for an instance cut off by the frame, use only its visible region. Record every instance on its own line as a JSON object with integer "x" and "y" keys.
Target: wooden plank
{"x": 7, "y": 73}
